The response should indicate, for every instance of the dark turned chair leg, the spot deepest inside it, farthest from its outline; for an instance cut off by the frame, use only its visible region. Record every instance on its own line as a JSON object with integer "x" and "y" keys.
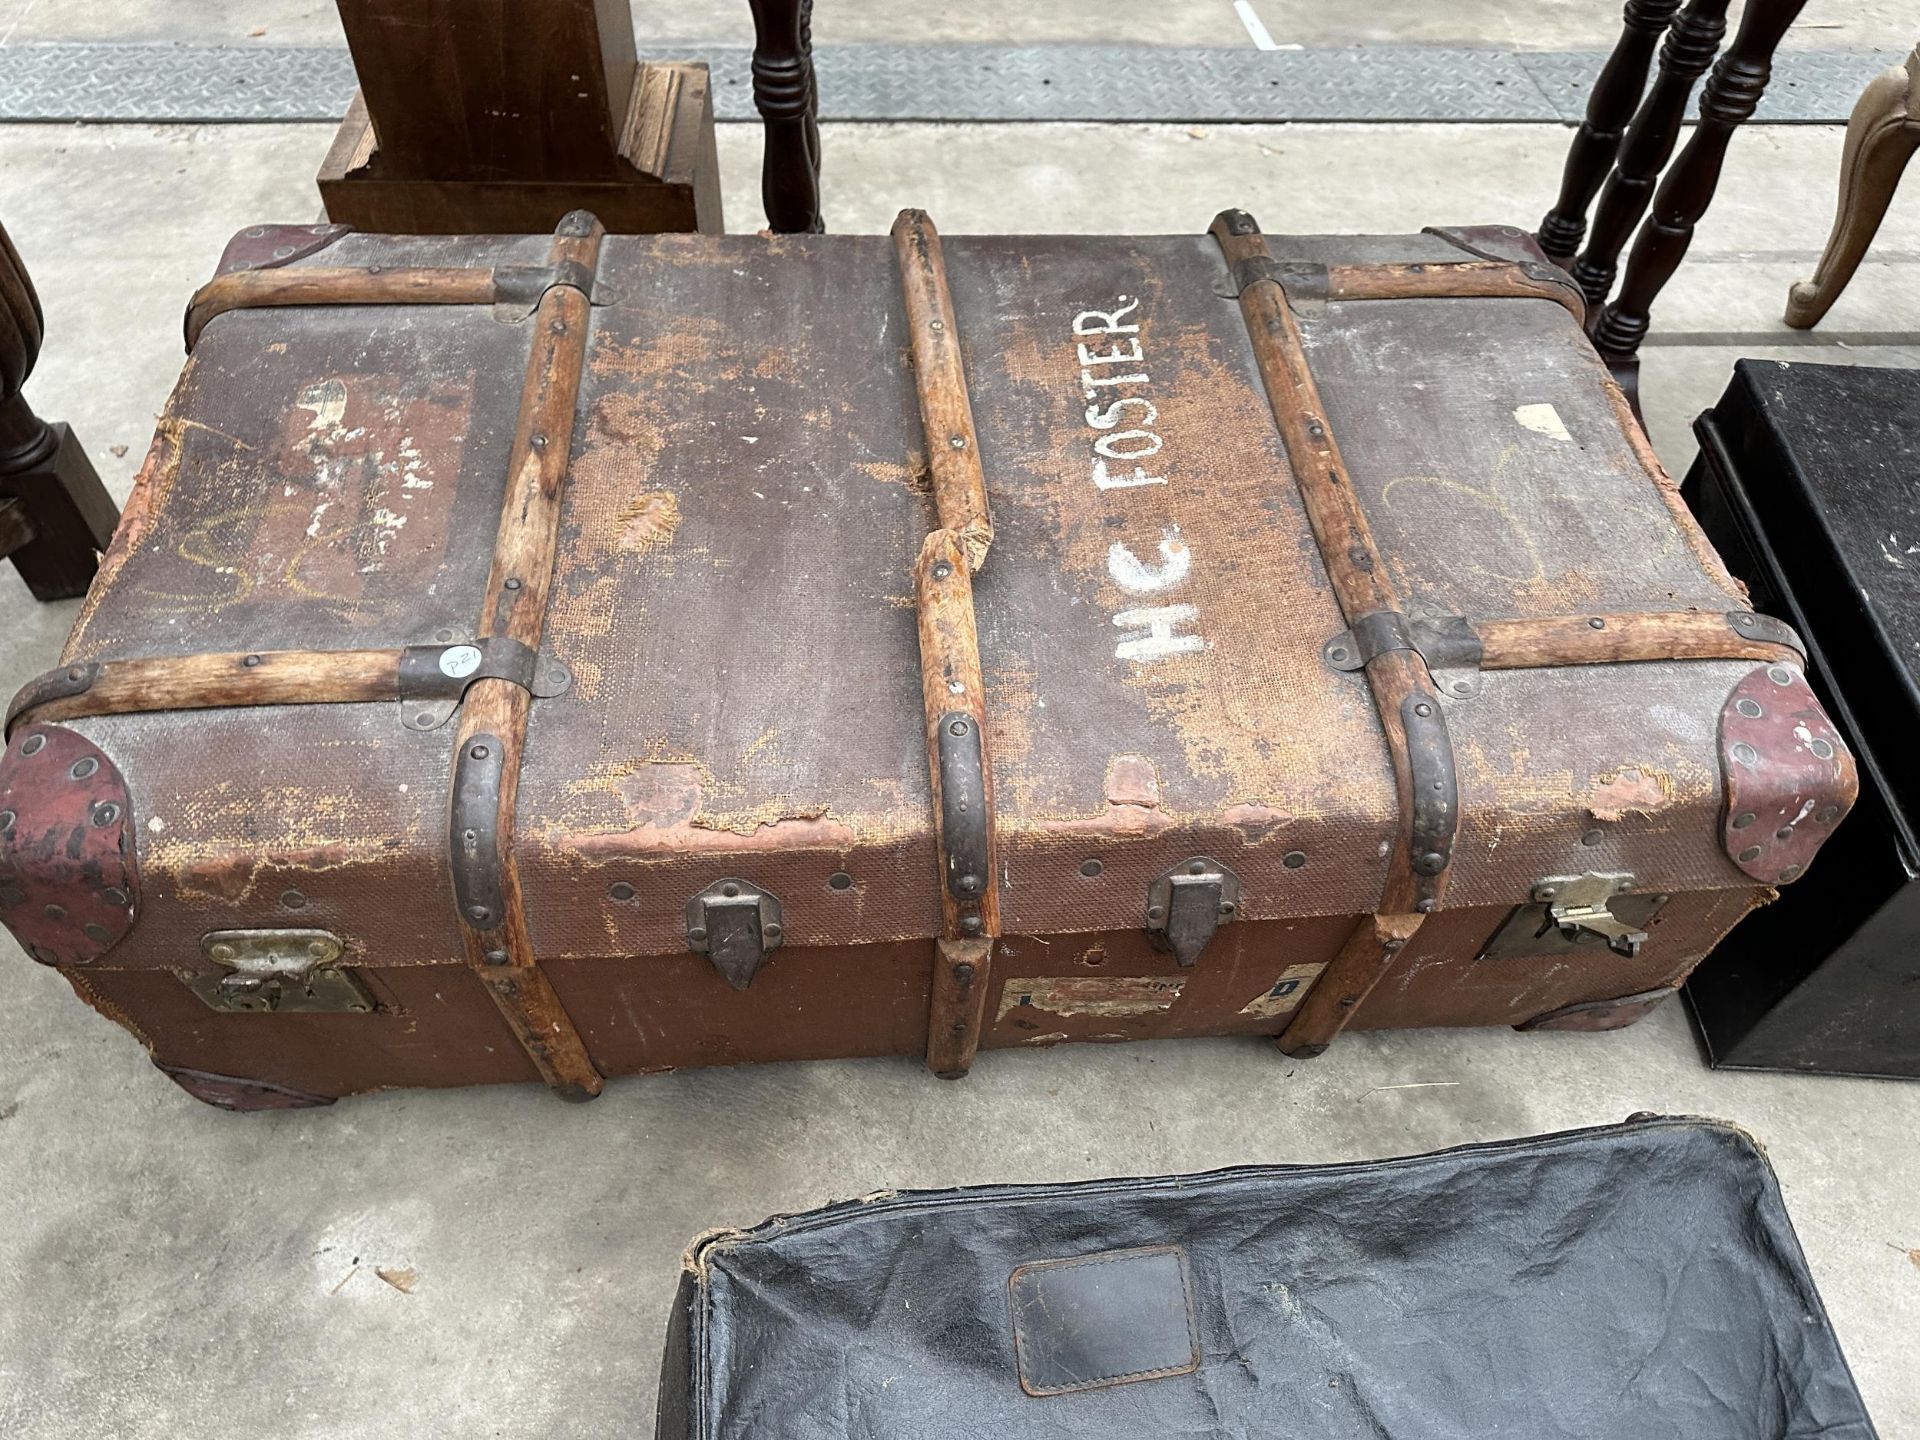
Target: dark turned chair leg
{"x": 785, "y": 95}
{"x": 1690, "y": 47}
{"x": 1609, "y": 108}
{"x": 55, "y": 515}
{"x": 1731, "y": 95}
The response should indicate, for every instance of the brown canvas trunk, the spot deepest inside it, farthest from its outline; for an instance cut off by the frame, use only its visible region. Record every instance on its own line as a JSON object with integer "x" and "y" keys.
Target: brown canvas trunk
{"x": 560, "y": 657}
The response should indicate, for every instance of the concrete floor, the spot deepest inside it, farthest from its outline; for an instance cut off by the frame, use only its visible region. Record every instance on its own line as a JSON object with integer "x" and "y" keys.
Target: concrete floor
{"x": 1536, "y": 25}
{"x": 167, "y": 1270}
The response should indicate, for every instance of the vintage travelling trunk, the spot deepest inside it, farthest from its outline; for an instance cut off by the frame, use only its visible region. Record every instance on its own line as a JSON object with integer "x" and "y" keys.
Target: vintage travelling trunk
{"x": 563, "y": 656}
{"x": 1640, "y": 1280}
{"x": 1805, "y": 481}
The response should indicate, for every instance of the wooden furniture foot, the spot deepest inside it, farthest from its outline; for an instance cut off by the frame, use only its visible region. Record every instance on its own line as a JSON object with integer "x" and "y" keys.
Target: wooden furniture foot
{"x": 55, "y": 515}
{"x": 502, "y": 118}
{"x": 1882, "y": 134}
{"x": 785, "y": 94}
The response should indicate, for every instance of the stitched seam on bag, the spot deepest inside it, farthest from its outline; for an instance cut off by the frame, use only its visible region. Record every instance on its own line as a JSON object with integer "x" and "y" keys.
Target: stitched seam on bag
{"x": 1085, "y": 1262}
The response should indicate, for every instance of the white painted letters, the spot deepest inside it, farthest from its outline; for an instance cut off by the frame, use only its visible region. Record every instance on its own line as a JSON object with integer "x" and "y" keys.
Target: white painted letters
{"x": 1154, "y": 632}
{"x": 1159, "y": 640}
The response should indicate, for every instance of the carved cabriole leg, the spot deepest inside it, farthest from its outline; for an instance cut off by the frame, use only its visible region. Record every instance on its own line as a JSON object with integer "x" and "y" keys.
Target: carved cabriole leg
{"x": 1609, "y": 108}
{"x": 1690, "y": 47}
{"x": 1882, "y": 135}
{"x": 783, "y": 92}
{"x": 59, "y": 515}
{"x": 1731, "y": 94}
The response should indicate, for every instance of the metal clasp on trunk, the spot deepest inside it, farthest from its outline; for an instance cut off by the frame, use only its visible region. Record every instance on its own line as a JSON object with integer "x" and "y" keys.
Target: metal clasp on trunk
{"x": 1188, "y": 903}
{"x": 278, "y": 971}
{"x": 735, "y": 925}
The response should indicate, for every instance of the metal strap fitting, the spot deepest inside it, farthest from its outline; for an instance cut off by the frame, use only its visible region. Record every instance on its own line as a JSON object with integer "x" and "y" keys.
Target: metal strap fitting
{"x": 1435, "y": 788}
{"x": 433, "y": 678}
{"x": 963, "y": 814}
{"x": 523, "y": 285}
{"x": 1750, "y": 626}
{"x": 1305, "y": 281}
{"x": 1447, "y": 644}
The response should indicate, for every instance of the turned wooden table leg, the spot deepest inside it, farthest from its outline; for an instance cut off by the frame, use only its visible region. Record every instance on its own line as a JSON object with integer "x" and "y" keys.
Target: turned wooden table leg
{"x": 55, "y": 515}
{"x": 1609, "y": 108}
{"x": 1732, "y": 92}
{"x": 1882, "y": 135}
{"x": 1689, "y": 49}
{"x": 784, "y": 93}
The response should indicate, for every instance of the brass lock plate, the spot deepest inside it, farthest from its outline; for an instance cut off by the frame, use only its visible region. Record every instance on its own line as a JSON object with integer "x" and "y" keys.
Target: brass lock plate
{"x": 277, "y": 972}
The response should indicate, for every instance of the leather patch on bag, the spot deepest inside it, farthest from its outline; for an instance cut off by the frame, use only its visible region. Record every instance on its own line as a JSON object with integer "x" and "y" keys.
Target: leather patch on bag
{"x": 1105, "y": 1319}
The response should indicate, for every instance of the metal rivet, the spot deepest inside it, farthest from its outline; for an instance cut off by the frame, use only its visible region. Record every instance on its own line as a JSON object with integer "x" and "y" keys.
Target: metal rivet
{"x": 620, "y": 890}
{"x": 1744, "y": 819}
{"x": 698, "y": 932}
{"x": 1745, "y": 622}
{"x": 1745, "y": 753}
{"x": 772, "y": 932}
{"x": 840, "y": 880}
{"x": 479, "y": 752}
{"x": 444, "y": 636}
{"x": 1821, "y": 749}
{"x": 1597, "y": 623}
{"x": 1294, "y": 859}
{"x": 1592, "y": 837}
{"x": 1780, "y": 675}
{"x": 963, "y": 972}
{"x": 496, "y": 957}
{"x": 538, "y": 442}
{"x": 114, "y": 896}
{"x": 1433, "y": 862}
{"x": 105, "y": 814}
{"x": 7, "y": 818}
{"x": 1785, "y": 832}
{"x": 97, "y": 933}
{"x": 1752, "y": 852}
{"x": 1336, "y": 652}
{"x": 251, "y": 661}
{"x": 1091, "y": 868}
{"x": 1196, "y": 867}
{"x": 1423, "y": 709}
{"x": 424, "y": 719}
{"x": 729, "y": 890}
{"x": 958, "y": 727}
{"x": 76, "y": 674}
{"x": 1827, "y": 814}
{"x": 958, "y": 442}
{"x": 478, "y": 913}
{"x": 1749, "y": 708}
{"x": 1545, "y": 892}
{"x": 513, "y": 584}
{"x": 82, "y": 768}
{"x": 256, "y": 232}
{"x": 971, "y": 925}
{"x": 1790, "y": 873}
{"x": 1227, "y": 907}
{"x": 1427, "y": 907}
{"x": 954, "y": 687}
{"x": 54, "y": 912}
{"x": 283, "y": 252}
{"x": 221, "y": 952}
{"x": 968, "y": 884}
{"x": 1154, "y": 912}
{"x": 319, "y": 949}
{"x": 936, "y": 324}
{"x": 942, "y": 570}
{"x": 32, "y": 744}
{"x": 1463, "y": 687}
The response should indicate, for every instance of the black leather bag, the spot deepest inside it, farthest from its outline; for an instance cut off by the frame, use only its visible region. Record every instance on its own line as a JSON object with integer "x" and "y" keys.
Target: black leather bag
{"x": 1639, "y": 1280}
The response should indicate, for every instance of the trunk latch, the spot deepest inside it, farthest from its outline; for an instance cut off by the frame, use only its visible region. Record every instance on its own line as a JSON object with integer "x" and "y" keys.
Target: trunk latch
{"x": 736, "y": 926}
{"x": 1188, "y": 903}
{"x": 278, "y": 972}
{"x": 1578, "y": 906}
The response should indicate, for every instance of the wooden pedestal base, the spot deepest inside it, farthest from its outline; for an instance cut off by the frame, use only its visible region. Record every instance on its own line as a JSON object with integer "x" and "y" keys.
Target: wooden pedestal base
{"x": 55, "y": 516}
{"x": 671, "y": 180}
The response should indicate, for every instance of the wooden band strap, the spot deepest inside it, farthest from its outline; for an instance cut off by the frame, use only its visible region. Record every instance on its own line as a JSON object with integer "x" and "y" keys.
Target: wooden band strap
{"x": 952, "y": 694}
{"x": 1308, "y": 282}
{"x": 946, "y": 411}
{"x": 1403, "y": 692}
{"x": 493, "y": 720}
{"x": 377, "y": 285}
